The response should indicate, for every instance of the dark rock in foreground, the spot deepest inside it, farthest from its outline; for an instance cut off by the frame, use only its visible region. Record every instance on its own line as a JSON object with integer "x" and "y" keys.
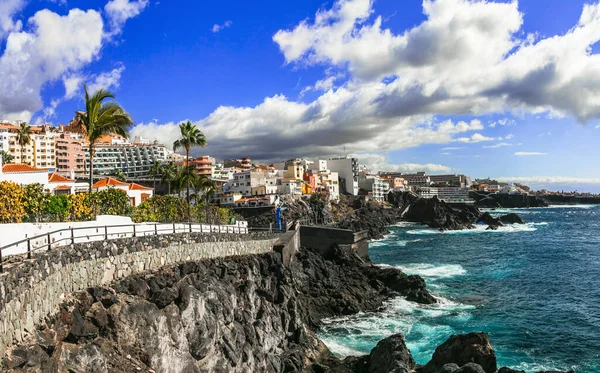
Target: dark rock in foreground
{"x": 463, "y": 349}
{"x": 438, "y": 214}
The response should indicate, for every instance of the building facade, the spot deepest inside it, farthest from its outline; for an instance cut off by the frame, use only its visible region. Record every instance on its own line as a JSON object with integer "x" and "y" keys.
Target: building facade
{"x": 376, "y": 187}
{"x": 347, "y": 169}
{"x": 446, "y": 194}
{"x": 134, "y": 160}
{"x": 70, "y": 155}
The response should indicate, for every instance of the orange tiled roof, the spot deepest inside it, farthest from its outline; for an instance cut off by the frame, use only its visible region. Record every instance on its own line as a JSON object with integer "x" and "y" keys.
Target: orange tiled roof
{"x": 109, "y": 181}
{"x": 63, "y": 187}
{"x": 134, "y": 186}
{"x": 20, "y": 167}
{"x": 57, "y": 178}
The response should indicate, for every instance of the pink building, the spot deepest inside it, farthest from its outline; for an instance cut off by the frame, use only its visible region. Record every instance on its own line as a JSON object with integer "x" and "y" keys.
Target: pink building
{"x": 69, "y": 154}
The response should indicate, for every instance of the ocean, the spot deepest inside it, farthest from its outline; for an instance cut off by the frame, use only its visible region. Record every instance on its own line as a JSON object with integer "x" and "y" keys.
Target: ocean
{"x": 534, "y": 288}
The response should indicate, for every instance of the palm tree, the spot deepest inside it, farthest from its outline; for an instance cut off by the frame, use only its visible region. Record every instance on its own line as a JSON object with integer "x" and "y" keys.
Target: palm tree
{"x": 6, "y": 158}
{"x": 155, "y": 172}
{"x": 99, "y": 119}
{"x": 169, "y": 173}
{"x": 190, "y": 136}
{"x": 24, "y": 137}
{"x": 185, "y": 177}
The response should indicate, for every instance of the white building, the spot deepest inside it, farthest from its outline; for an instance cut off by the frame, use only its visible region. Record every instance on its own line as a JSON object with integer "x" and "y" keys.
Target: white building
{"x": 347, "y": 169}
{"x": 374, "y": 185}
{"x": 40, "y": 151}
{"x": 136, "y": 193}
{"x": 58, "y": 184}
{"x": 134, "y": 160}
{"x": 23, "y": 174}
{"x": 244, "y": 181}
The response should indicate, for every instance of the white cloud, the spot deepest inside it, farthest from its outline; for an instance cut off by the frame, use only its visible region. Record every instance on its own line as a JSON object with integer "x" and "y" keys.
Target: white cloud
{"x": 216, "y": 28}
{"x": 452, "y": 148}
{"x": 55, "y": 47}
{"x": 379, "y": 162}
{"x": 476, "y": 137}
{"x": 8, "y": 9}
{"x": 509, "y": 136}
{"x": 119, "y": 11}
{"x": 466, "y": 58}
{"x": 503, "y": 122}
{"x": 107, "y": 80}
{"x": 527, "y": 154}
{"x": 498, "y": 145}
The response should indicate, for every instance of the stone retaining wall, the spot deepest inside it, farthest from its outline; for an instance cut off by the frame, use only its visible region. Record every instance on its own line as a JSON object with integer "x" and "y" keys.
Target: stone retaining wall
{"x": 32, "y": 290}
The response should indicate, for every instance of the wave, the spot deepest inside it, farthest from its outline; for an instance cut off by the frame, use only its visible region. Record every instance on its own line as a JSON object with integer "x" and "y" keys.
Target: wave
{"x": 391, "y": 242}
{"x": 510, "y": 228}
{"x": 358, "y": 334}
{"x": 429, "y": 270}
{"x": 586, "y": 207}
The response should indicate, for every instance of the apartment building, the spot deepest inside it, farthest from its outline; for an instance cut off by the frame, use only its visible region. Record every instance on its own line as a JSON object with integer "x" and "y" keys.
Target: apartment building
{"x": 70, "y": 155}
{"x": 204, "y": 165}
{"x": 38, "y": 153}
{"x": 134, "y": 160}
{"x": 244, "y": 181}
{"x": 376, "y": 187}
{"x": 347, "y": 169}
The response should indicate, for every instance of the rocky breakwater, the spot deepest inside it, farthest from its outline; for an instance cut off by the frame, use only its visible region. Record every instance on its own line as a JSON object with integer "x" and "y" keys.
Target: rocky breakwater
{"x": 238, "y": 314}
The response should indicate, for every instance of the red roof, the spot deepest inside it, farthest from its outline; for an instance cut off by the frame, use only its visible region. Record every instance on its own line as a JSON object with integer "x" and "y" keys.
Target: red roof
{"x": 57, "y": 178}
{"x": 109, "y": 181}
{"x": 63, "y": 187}
{"x": 19, "y": 168}
{"x": 134, "y": 186}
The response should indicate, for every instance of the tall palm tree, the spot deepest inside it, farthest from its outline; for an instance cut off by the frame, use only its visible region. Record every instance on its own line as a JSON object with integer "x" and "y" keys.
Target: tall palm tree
{"x": 24, "y": 137}
{"x": 169, "y": 173}
{"x": 185, "y": 177}
{"x": 100, "y": 118}
{"x": 155, "y": 172}
{"x": 190, "y": 136}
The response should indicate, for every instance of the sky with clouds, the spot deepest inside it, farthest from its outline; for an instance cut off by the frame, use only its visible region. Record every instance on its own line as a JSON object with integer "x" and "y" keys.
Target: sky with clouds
{"x": 503, "y": 89}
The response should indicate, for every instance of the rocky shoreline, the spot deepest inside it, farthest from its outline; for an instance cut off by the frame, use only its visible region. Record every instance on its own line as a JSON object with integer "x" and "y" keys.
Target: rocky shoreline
{"x": 252, "y": 314}
{"x": 238, "y": 314}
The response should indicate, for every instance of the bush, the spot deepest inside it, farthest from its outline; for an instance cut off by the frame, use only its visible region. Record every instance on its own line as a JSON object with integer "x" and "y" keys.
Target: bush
{"x": 59, "y": 207}
{"x": 35, "y": 201}
{"x": 11, "y": 202}
{"x": 80, "y": 207}
{"x": 163, "y": 209}
{"x": 109, "y": 202}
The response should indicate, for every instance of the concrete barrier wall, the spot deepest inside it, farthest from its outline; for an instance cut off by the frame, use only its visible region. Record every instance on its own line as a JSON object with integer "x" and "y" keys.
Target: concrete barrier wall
{"x": 32, "y": 290}
{"x": 323, "y": 239}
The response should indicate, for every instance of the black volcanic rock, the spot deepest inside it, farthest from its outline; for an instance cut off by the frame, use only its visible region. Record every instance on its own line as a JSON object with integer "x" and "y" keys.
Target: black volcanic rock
{"x": 391, "y": 355}
{"x": 488, "y": 219}
{"x": 463, "y": 349}
{"x": 512, "y": 218}
{"x": 437, "y": 214}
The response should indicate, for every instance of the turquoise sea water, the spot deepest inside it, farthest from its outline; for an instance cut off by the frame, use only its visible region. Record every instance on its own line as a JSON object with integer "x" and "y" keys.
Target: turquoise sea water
{"x": 535, "y": 288}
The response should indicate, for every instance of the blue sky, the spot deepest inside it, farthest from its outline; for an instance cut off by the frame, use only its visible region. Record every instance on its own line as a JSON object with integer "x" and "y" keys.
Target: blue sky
{"x": 499, "y": 89}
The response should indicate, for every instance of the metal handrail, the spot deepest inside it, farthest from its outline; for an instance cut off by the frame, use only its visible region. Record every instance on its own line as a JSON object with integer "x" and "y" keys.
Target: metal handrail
{"x": 172, "y": 228}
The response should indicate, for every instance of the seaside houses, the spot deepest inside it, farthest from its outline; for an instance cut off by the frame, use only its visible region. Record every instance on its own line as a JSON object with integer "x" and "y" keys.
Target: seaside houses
{"x": 347, "y": 169}
{"x": 39, "y": 152}
{"x": 136, "y": 193}
{"x": 446, "y": 194}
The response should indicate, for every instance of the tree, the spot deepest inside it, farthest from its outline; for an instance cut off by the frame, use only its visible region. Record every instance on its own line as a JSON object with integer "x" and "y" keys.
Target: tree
{"x": 6, "y": 158}
{"x": 119, "y": 175}
{"x": 190, "y": 136}
{"x": 99, "y": 119}
{"x": 24, "y": 137}
{"x": 155, "y": 172}
{"x": 36, "y": 200}
{"x": 169, "y": 173}
{"x": 205, "y": 186}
